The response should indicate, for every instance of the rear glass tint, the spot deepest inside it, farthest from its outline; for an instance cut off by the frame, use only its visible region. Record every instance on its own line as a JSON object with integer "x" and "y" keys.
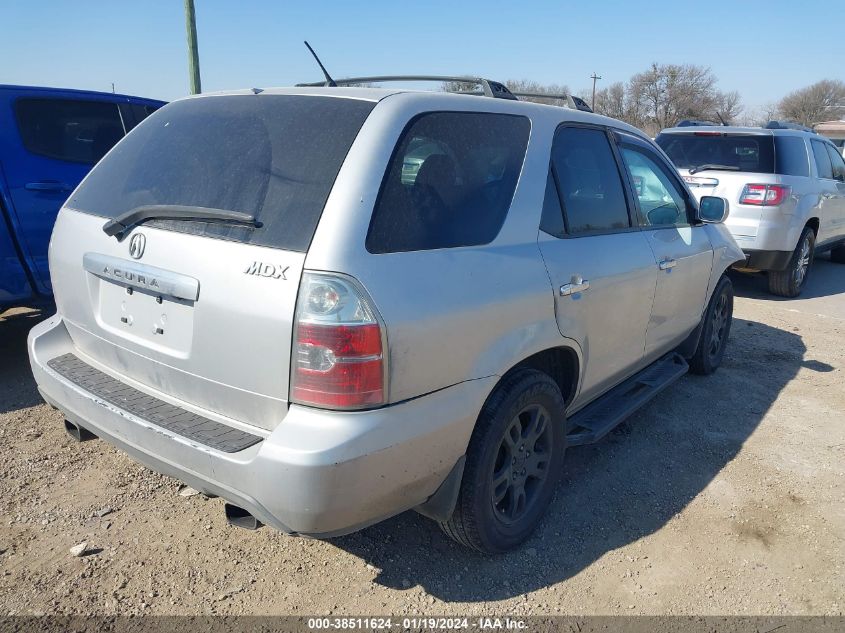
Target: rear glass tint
{"x": 738, "y": 152}
{"x": 791, "y": 156}
{"x": 823, "y": 164}
{"x": 274, "y": 157}
{"x": 450, "y": 182}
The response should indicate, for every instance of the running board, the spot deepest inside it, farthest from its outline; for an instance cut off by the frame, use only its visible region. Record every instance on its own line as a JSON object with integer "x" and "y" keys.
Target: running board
{"x": 598, "y": 418}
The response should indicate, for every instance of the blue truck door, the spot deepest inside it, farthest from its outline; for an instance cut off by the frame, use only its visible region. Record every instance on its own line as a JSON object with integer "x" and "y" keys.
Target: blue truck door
{"x": 50, "y": 144}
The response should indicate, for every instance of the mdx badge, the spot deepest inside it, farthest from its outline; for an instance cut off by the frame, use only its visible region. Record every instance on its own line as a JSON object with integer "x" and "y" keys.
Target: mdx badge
{"x": 261, "y": 269}
{"x": 137, "y": 245}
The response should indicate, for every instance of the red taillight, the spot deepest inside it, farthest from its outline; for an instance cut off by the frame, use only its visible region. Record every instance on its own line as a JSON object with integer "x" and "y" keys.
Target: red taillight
{"x": 764, "y": 195}
{"x": 338, "y": 358}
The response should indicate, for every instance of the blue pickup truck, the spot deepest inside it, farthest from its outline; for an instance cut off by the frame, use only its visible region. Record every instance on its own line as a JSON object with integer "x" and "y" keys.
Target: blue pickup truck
{"x": 49, "y": 140}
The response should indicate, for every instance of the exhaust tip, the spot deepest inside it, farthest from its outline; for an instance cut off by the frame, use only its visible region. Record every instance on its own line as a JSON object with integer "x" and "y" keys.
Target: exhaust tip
{"x": 241, "y": 518}
{"x": 78, "y": 433}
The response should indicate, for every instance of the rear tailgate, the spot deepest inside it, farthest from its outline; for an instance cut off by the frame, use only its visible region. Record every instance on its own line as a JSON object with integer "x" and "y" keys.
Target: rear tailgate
{"x": 224, "y": 346}
{"x": 202, "y": 311}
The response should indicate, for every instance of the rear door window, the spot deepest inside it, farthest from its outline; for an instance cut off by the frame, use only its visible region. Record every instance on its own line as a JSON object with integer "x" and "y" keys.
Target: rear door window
{"x": 71, "y": 130}
{"x": 589, "y": 182}
{"x": 837, "y": 163}
{"x": 791, "y": 156}
{"x": 274, "y": 157}
{"x": 822, "y": 158}
{"x": 450, "y": 182}
{"x": 735, "y": 152}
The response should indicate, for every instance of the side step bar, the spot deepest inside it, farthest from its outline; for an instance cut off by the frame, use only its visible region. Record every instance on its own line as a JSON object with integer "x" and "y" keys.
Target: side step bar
{"x": 598, "y": 418}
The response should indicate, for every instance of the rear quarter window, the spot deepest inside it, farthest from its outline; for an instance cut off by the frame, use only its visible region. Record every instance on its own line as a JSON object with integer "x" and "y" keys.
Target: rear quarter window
{"x": 791, "y": 156}
{"x": 449, "y": 183}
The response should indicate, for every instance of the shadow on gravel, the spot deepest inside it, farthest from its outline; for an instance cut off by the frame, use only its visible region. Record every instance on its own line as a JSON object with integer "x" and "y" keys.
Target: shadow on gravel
{"x": 826, "y": 279}
{"x": 612, "y": 493}
{"x": 17, "y": 386}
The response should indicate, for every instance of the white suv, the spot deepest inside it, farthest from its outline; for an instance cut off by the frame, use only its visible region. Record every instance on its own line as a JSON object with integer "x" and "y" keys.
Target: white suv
{"x": 786, "y": 188}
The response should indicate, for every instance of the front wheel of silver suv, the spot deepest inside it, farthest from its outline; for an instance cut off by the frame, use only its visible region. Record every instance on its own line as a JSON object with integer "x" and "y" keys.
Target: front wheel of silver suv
{"x": 788, "y": 283}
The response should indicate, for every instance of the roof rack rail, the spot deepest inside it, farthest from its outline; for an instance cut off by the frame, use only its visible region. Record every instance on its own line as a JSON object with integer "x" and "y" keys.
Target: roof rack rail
{"x": 489, "y": 87}
{"x": 788, "y": 125}
{"x": 694, "y": 123}
{"x": 576, "y": 103}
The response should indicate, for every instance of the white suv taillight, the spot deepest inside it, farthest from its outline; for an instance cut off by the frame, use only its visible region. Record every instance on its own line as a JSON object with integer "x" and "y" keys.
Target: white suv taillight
{"x": 763, "y": 195}
{"x": 338, "y": 355}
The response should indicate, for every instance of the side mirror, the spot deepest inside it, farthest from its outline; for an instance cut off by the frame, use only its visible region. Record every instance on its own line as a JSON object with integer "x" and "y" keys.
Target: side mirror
{"x": 712, "y": 209}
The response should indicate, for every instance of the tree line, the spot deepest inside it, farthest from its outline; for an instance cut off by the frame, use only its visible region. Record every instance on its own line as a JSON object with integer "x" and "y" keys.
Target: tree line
{"x": 665, "y": 94}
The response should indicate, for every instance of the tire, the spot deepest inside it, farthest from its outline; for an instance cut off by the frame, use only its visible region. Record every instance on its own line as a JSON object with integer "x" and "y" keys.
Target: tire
{"x": 715, "y": 331}
{"x": 837, "y": 254}
{"x": 510, "y": 433}
{"x": 788, "y": 283}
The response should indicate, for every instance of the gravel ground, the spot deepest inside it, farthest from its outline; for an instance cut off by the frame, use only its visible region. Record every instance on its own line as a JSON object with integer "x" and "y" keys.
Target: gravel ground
{"x": 723, "y": 496}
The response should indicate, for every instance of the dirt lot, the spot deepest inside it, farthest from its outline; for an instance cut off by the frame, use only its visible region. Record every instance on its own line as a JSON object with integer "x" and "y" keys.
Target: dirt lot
{"x": 724, "y": 496}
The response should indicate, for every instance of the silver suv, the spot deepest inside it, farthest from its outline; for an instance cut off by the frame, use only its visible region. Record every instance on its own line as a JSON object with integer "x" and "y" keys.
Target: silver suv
{"x": 786, "y": 187}
{"x": 331, "y": 305}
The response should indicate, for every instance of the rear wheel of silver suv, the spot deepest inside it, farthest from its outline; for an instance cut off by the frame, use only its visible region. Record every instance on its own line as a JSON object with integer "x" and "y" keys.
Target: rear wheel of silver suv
{"x": 514, "y": 462}
{"x": 788, "y": 283}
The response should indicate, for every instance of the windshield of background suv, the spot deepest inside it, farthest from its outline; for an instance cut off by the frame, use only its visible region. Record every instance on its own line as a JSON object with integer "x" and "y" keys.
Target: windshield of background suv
{"x": 274, "y": 157}
{"x": 738, "y": 152}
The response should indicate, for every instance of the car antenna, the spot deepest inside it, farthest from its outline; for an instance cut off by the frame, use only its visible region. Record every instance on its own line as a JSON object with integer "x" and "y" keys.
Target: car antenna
{"x": 329, "y": 81}
{"x": 721, "y": 119}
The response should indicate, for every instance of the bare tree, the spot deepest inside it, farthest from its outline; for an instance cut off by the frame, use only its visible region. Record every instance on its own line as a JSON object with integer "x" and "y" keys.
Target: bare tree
{"x": 761, "y": 115}
{"x": 727, "y": 107}
{"x": 667, "y": 93}
{"x": 526, "y": 85}
{"x": 822, "y": 101}
{"x": 611, "y": 101}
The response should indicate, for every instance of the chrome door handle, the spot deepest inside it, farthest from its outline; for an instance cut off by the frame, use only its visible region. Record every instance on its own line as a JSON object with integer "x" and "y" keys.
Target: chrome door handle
{"x": 668, "y": 263}
{"x": 577, "y": 285}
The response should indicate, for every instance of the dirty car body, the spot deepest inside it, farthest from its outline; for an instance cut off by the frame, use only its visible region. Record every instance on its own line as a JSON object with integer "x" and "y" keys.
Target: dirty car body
{"x": 324, "y": 367}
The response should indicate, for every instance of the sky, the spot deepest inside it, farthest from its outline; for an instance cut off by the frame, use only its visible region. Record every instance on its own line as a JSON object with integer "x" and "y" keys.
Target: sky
{"x": 763, "y": 49}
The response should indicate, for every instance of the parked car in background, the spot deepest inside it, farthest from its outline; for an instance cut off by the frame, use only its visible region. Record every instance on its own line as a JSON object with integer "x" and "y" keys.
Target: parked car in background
{"x": 786, "y": 189}
{"x": 49, "y": 140}
{"x": 331, "y": 305}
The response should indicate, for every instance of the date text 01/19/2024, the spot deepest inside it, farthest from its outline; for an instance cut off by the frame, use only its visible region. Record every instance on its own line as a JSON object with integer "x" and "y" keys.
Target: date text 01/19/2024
{"x": 411, "y": 622}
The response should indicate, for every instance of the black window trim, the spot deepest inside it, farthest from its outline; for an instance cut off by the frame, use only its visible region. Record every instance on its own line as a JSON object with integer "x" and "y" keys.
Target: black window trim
{"x": 626, "y": 138}
{"x": 608, "y": 132}
{"x": 34, "y": 97}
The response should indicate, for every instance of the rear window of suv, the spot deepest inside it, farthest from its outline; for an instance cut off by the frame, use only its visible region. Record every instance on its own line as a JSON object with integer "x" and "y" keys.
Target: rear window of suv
{"x": 738, "y": 152}
{"x": 755, "y": 153}
{"x": 450, "y": 182}
{"x": 274, "y": 157}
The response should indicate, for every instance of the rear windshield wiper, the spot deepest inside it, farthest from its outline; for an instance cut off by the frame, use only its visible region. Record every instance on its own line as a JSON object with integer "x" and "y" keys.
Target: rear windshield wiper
{"x": 699, "y": 168}
{"x": 121, "y": 224}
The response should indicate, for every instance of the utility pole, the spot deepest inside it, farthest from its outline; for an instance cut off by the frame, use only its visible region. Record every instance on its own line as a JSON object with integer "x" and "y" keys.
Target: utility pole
{"x": 594, "y": 77}
{"x": 193, "y": 51}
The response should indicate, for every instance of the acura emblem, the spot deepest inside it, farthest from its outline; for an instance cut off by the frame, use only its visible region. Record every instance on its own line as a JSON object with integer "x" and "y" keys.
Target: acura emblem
{"x": 136, "y": 245}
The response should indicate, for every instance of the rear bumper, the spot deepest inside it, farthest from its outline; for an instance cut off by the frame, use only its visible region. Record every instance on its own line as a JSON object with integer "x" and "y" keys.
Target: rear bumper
{"x": 318, "y": 473}
{"x": 765, "y": 260}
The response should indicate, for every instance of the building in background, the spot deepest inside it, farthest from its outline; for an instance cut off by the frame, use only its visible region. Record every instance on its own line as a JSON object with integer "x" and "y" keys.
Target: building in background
{"x": 835, "y": 131}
